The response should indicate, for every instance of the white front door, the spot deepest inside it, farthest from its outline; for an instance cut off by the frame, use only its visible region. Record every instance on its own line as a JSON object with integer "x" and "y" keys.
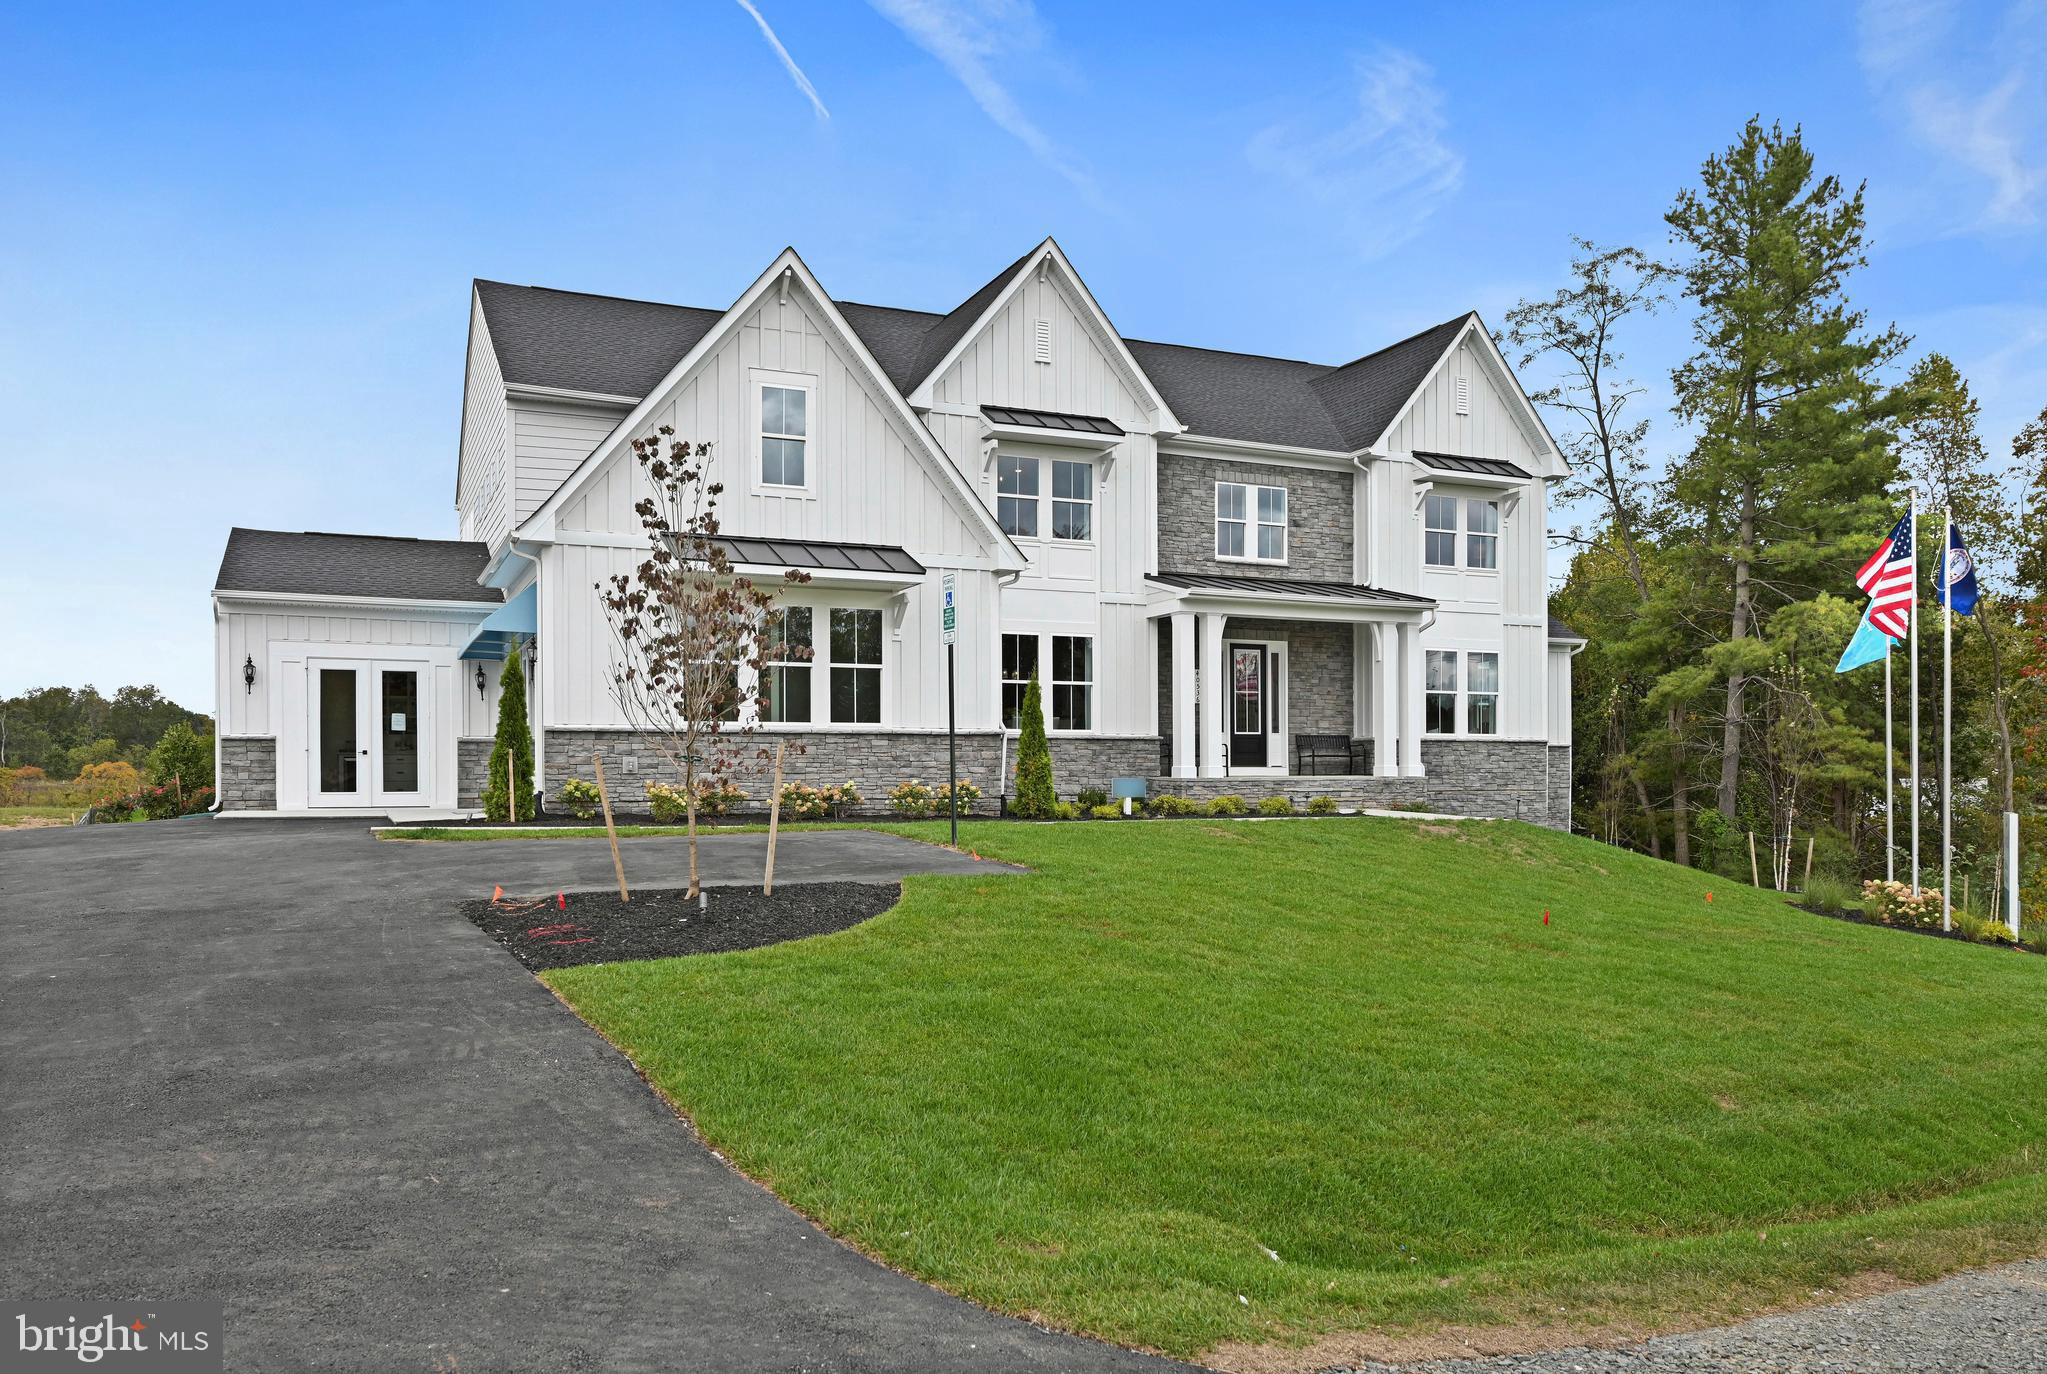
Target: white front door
{"x": 367, "y": 733}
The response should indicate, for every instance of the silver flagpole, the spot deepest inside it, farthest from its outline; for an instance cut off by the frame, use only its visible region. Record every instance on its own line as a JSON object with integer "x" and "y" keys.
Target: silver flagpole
{"x": 1912, "y": 633}
{"x": 1947, "y": 711}
{"x": 1890, "y": 776}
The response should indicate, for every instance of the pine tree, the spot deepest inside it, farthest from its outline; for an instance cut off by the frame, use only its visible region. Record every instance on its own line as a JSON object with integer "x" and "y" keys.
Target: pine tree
{"x": 1035, "y": 798}
{"x": 1787, "y": 487}
{"x": 511, "y": 758}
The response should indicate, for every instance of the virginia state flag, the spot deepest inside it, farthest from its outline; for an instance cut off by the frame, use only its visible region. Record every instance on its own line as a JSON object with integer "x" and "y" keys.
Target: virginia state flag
{"x": 1956, "y": 571}
{"x": 1868, "y": 645}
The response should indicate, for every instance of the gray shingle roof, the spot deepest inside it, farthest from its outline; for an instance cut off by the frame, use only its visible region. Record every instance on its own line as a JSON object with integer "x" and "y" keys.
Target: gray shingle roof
{"x": 1559, "y": 630}
{"x": 315, "y": 564}
{"x": 621, "y": 347}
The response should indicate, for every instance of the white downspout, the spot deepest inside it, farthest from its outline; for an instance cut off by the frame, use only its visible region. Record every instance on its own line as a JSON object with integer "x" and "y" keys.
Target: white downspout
{"x": 533, "y": 722}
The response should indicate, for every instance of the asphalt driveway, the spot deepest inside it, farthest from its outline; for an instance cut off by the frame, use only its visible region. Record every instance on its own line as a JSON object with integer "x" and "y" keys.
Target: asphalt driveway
{"x": 414, "y": 1160}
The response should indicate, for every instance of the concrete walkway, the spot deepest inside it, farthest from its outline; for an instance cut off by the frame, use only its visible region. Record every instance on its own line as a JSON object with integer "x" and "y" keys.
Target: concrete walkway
{"x": 267, "y": 1062}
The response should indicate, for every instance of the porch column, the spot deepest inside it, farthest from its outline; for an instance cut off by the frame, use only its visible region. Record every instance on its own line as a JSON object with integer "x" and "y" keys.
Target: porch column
{"x": 1411, "y": 700}
{"x": 1215, "y": 690}
{"x": 1183, "y": 693}
{"x": 1385, "y": 702}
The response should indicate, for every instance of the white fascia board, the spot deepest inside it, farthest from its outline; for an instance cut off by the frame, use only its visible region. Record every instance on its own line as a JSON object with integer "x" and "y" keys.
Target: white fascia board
{"x": 1044, "y": 255}
{"x": 787, "y": 266}
{"x": 528, "y": 391}
{"x": 1206, "y": 446}
{"x": 225, "y": 600}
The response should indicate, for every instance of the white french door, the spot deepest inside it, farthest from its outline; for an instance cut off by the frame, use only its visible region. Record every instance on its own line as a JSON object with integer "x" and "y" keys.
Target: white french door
{"x": 366, "y": 733}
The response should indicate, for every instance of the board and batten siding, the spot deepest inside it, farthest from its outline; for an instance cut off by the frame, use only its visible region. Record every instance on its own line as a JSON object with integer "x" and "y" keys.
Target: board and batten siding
{"x": 483, "y": 498}
{"x": 1504, "y": 611}
{"x": 1097, "y": 589}
{"x": 871, "y": 484}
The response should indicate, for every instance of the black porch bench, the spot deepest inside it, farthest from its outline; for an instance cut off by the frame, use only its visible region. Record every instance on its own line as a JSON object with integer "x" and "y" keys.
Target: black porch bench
{"x": 1312, "y": 752}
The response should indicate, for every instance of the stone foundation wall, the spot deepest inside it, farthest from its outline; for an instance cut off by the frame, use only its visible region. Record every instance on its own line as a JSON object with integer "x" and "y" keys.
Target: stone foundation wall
{"x": 1481, "y": 777}
{"x": 248, "y": 773}
{"x": 1560, "y": 787}
{"x": 873, "y": 760}
{"x": 1349, "y": 790}
{"x": 472, "y": 763}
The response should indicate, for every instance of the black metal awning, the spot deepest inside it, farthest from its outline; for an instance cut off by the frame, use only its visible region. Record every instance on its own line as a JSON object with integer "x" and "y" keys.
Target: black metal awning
{"x": 1284, "y": 587}
{"x": 1052, "y": 419}
{"x": 1485, "y": 467}
{"x": 815, "y": 555}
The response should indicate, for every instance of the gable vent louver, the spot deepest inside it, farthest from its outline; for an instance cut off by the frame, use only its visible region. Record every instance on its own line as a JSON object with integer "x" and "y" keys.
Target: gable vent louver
{"x": 1463, "y": 394}
{"x": 1041, "y": 340}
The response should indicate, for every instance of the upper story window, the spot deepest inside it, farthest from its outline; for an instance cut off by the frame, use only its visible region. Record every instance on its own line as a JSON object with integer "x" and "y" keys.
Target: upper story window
{"x": 1250, "y": 522}
{"x": 785, "y": 429}
{"x": 1480, "y": 528}
{"x": 1019, "y": 493}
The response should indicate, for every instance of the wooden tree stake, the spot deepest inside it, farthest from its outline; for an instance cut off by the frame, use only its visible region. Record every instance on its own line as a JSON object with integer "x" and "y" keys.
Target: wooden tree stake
{"x": 610, "y": 829}
{"x": 774, "y": 820}
{"x": 1808, "y": 859}
{"x": 1755, "y": 874}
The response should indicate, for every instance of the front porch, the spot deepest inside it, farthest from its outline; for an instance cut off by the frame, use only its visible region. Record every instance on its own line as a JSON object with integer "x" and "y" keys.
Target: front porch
{"x": 1315, "y": 683}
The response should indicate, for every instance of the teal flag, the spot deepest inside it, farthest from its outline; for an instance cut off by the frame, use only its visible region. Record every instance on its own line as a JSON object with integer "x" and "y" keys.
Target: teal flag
{"x": 1868, "y": 645}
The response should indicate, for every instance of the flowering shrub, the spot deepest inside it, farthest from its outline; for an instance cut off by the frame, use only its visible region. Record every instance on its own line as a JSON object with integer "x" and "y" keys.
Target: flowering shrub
{"x": 807, "y": 803}
{"x": 942, "y": 795}
{"x": 1893, "y": 903}
{"x": 581, "y": 798}
{"x": 912, "y": 798}
{"x": 714, "y": 799}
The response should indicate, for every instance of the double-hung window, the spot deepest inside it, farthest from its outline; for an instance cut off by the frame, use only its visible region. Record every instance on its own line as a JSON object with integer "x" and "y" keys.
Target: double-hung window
{"x": 1482, "y": 694}
{"x": 785, "y": 435}
{"x": 1073, "y": 682}
{"x": 1439, "y": 692}
{"x": 1019, "y": 666}
{"x": 1480, "y": 691}
{"x": 785, "y": 676}
{"x": 856, "y": 666}
{"x": 1019, "y": 494}
{"x": 1481, "y": 531}
{"x": 1016, "y": 495}
{"x": 1250, "y": 522}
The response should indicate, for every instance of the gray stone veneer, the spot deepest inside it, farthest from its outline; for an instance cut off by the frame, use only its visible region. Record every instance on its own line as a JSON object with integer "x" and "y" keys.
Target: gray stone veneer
{"x": 1481, "y": 777}
{"x": 472, "y": 762}
{"x": 1319, "y": 672}
{"x": 248, "y": 773}
{"x": 1318, "y": 511}
{"x": 1560, "y": 786}
{"x": 873, "y": 760}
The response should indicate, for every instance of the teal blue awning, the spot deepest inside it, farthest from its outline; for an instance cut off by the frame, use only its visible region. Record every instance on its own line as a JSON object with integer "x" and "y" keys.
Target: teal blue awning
{"x": 517, "y": 618}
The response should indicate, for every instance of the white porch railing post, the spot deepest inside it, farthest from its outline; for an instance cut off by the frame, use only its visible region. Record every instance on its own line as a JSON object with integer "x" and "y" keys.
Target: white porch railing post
{"x": 1411, "y": 700}
{"x": 1214, "y": 691}
{"x": 1385, "y": 702}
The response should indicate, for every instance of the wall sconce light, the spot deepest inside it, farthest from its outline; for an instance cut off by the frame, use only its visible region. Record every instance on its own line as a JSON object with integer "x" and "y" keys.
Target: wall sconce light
{"x": 482, "y": 687}
{"x": 532, "y": 654}
{"x": 248, "y": 674}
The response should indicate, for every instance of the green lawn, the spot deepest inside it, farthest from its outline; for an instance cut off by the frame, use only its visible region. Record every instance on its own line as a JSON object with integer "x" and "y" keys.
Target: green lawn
{"x": 1098, "y": 1094}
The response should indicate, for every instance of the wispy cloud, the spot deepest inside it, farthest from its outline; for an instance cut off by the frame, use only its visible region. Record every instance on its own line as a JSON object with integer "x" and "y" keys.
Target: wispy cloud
{"x": 1989, "y": 124}
{"x": 788, "y": 62}
{"x": 1386, "y": 169}
{"x": 970, "y": 38}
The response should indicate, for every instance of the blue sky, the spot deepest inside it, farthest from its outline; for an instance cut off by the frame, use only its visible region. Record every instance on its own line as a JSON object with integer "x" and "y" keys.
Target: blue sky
{"x": 236, "y": 241}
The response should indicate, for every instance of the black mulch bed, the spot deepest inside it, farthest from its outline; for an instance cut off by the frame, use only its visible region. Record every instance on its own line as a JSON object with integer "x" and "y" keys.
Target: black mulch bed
{"x": 660, "y": 923}
{"x": 1936, "y": 932}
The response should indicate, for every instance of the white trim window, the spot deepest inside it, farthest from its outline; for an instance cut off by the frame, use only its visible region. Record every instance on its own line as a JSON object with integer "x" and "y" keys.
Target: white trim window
{"x": 1481, "y": 531}
{"x": 785, "y": 418}
{"x": 1250, "y": 523}
{"x": 785, "y": 678}
{"x": 1073, "y": 500}
{"x": 1439, "y": 692}
{"x": 856, "y": 666}
{"x": 1073, "y": 683}
{"x": 1481, "y": 694}
{"x": 1019, "y": 666}
{"x": 1016, "y": 495}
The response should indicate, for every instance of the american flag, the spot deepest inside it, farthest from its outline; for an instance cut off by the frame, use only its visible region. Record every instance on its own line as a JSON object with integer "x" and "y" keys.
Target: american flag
{"x": 1888, "y": 578}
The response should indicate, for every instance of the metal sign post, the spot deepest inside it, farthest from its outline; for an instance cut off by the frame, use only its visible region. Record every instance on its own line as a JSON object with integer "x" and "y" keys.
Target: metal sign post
{"x": 949, "y": 628}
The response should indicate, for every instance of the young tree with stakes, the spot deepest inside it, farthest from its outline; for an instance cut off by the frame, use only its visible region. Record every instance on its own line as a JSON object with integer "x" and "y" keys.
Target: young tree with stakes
{"x": 687, "y": 630}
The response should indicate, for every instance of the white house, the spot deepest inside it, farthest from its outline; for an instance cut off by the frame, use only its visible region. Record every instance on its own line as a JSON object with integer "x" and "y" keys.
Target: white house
{"x": 1229, "y": 572}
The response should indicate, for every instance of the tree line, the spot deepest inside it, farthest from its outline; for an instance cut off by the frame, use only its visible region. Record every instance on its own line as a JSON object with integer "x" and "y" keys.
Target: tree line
{"x": 64, "y": 730}
{"x": 1716, "y": 587}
